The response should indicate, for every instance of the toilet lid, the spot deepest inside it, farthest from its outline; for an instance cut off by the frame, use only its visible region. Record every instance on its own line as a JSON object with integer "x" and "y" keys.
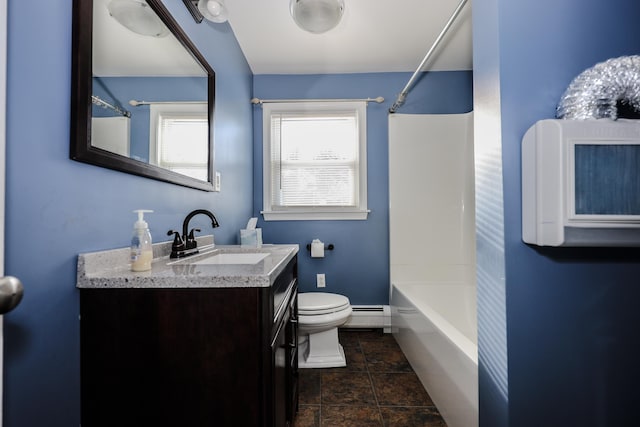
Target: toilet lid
{"x": 316, "y": 303}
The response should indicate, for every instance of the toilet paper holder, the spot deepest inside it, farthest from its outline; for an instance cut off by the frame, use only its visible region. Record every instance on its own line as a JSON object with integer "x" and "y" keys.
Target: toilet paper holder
{"x": 328, "y": 247}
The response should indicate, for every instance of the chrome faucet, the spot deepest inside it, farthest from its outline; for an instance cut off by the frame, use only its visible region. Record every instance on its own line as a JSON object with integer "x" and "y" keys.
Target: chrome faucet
{"x": 187, "y": 242}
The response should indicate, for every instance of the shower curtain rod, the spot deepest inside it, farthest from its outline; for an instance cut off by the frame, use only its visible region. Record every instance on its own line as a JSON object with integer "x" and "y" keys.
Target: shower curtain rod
{"x": 104, "y": 104}
{"x": 136, "y": 103}
{"x": 403, "y": 95}
{"x": 275, "y": 101}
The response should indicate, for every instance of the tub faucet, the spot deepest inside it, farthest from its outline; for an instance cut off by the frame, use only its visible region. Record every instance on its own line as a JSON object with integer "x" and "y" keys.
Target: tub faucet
{"x": 187, "y": 242}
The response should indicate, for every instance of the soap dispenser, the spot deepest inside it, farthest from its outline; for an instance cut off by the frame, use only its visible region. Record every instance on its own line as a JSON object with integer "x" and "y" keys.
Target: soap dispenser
{"x": 141, "y": 249}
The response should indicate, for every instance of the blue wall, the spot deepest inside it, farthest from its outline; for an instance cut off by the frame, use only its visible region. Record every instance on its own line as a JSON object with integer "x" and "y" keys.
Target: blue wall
{"x": 57, "y": 208}
{"x": 493, "y": 376}
{"x": 358, "y": 267}
{"x": 572, "y": 314}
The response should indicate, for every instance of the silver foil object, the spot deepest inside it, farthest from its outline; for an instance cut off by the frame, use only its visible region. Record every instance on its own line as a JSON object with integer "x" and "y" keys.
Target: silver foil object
{"x": 594, "y": 93}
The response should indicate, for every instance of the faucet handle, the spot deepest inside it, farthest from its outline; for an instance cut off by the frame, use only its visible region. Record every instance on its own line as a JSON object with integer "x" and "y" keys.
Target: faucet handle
{"x": 191, "y": 236}
{"x": 191, "y": 239}
{"x": 178, "y": 243}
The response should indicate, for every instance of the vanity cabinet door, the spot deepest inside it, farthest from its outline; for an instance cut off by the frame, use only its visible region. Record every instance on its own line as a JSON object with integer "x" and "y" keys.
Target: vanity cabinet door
{"x": 284, "y": 351}
{"x": 292, "y": 358}
{"x": 171, "y": 357}
{"x": 279, "y": 353}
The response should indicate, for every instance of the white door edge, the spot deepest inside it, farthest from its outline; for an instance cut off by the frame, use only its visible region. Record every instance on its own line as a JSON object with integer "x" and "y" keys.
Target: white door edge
{"x": 3, "y": 135}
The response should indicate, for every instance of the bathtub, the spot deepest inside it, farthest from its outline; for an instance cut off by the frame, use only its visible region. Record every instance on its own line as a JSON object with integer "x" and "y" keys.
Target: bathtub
{"x": 435, "y": 325}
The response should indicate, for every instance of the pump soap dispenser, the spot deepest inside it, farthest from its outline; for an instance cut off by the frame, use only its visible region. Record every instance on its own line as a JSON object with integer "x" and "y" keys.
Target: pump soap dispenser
{"x": 141, "y": 249}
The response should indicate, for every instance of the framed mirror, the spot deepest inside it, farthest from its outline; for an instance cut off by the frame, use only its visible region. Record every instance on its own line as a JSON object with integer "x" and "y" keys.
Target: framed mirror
{"x": 142, "y": 94}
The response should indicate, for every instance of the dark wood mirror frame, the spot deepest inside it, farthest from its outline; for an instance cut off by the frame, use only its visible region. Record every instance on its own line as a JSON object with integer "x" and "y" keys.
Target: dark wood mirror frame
{"x": 81, "y": 84}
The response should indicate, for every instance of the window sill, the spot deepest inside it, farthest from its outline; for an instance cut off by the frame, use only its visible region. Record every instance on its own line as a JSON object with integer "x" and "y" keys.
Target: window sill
{"x": 313, "y": 215}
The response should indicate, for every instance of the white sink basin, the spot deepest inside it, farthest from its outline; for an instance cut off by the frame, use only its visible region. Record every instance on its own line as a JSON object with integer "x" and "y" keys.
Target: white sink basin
{"x": 232, "y": 258}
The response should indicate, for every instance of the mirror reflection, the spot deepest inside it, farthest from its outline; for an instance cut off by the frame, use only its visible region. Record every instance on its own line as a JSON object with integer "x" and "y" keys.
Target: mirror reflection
{"x": 149, "y": 95}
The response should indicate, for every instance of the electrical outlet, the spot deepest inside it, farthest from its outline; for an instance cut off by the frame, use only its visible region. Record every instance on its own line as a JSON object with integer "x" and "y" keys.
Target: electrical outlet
{"x": 320, "y": 280}
{"x": 216, "y": 185}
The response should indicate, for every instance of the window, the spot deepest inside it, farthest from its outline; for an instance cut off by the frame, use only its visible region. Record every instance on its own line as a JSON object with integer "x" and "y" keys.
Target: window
{"x": 314, "y": 161}
{"x": 179, "y": 138}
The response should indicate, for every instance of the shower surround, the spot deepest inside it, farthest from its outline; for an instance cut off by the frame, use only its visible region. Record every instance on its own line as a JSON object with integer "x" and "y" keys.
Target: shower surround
{"x": 432, "y": 256}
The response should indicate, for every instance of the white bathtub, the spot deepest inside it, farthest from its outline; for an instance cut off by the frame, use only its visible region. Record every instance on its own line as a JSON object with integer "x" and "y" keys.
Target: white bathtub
{"x": 436, "y": 327}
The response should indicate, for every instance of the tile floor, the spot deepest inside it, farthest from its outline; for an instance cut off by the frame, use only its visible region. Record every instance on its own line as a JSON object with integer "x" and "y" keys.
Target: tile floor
{"x": 378, "y": 387}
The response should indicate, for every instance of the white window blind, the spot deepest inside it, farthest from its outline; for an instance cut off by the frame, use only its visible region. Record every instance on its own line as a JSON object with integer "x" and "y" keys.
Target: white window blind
{"x": 316, "y": 161}
{"x": 180, "y": 148}
{"x": 179, "y": 139}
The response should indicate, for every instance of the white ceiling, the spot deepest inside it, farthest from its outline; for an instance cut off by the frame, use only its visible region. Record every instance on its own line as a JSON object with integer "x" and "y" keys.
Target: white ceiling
{"x": 120, "y": 52}
{"x": 373, "y": 36}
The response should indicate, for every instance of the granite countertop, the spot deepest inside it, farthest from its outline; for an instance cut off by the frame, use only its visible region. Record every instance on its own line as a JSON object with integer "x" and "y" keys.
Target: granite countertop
{"x": 110, "y": 269}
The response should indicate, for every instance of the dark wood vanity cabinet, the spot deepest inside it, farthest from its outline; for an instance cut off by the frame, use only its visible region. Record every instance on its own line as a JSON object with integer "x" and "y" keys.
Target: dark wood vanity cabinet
{"x": 190, "y": 356}
{"x": 284, "y": 351}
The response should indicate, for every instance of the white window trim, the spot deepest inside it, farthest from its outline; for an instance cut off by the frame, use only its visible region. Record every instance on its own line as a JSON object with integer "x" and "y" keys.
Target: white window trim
{"x": 306, "y": 213}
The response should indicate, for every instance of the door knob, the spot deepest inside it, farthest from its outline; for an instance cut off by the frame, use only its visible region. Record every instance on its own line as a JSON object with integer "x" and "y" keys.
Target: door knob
{"x": 11, "y": 291}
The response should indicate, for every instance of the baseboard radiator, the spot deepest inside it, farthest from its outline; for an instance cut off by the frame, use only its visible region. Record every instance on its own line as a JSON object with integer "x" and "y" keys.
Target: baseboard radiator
{"x": 370, "y": 316}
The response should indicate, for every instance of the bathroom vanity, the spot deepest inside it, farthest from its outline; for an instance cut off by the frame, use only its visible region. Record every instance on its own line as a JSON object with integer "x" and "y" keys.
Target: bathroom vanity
{"x": 203, "y": 341}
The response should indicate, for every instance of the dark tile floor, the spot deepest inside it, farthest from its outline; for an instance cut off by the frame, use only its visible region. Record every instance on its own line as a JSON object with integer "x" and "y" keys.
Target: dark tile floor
{"x": 378, "y": 387}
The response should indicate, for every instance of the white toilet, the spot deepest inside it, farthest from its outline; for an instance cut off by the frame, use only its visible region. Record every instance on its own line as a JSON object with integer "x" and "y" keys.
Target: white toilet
{"x": 319, "y": 315}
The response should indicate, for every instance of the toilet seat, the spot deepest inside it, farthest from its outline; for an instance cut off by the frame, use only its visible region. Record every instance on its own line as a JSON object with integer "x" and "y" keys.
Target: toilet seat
{"x": 320, "y": 303}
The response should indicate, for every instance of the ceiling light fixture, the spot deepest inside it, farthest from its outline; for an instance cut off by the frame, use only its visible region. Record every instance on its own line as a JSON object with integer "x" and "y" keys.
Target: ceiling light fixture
{"x": 137, "y": 16}
{"x": 316, "y": 16}
{"x": 213, "y": 10}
